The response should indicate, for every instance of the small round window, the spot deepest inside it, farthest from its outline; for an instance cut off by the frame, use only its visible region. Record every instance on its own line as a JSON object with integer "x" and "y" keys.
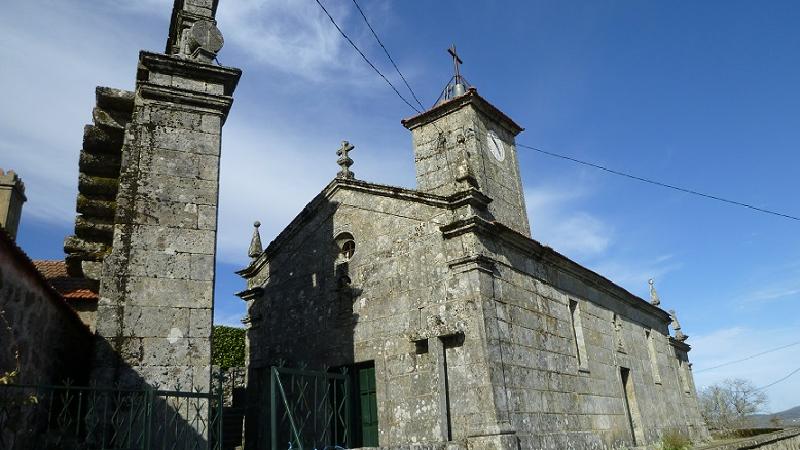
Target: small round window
{"x": 346, "y": 244}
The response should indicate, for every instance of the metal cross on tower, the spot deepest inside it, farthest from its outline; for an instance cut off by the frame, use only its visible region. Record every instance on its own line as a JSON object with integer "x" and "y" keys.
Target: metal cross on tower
{"x": 457, "y": 85}
{"x": 456, "y": 63}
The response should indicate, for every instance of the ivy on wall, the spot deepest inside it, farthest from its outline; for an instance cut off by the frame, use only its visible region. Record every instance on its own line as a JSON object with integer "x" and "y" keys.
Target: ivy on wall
{"x": 227, "y": 347}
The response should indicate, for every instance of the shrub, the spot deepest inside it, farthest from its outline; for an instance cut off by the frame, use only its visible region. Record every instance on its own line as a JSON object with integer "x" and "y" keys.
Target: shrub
{"x": 227, "y": 347}
{"x": 672, "y": 440}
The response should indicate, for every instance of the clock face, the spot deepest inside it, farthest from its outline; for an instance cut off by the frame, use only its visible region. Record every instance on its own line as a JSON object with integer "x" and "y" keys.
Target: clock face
{"x": 496, "y": 146}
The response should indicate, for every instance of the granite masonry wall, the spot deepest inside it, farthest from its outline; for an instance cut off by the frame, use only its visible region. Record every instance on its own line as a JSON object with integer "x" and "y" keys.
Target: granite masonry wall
{"x": 154, "y": 315}
{"x": 53, "y": 344}
{"x": 452, "y": 153}
{"x": 397, "y": 280}
{"x": 563, "y": 335}
{"x": 470, "y": 335}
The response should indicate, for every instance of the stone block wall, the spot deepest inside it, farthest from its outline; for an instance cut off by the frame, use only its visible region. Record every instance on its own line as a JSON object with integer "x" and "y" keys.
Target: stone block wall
{"x": 400, "y": 289}
{"x": 471, "y": 331}
{"x": 560, "y": 400}
{"x": 156, "y": 295}
{"x": 452, "y": 153}
{"x": 53, "y": 344}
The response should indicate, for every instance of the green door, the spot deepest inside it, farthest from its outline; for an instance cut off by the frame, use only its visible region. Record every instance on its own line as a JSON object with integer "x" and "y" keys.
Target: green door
{"x": 368, "y": 406}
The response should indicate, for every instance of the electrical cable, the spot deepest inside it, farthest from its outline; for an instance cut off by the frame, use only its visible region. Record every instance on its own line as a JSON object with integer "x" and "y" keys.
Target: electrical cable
{"x": 387, "y": 54}
{"x": 553, "y": 154}
{"x": 658, "y": 183}
{"x": 778, "y": 381}
{"x": 347, "y": 38}
{"x": 748, "y": 357}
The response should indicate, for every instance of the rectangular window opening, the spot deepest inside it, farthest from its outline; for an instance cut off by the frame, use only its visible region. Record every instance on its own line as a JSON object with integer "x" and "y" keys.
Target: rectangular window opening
{"x": 577, "y": 335}
{"x": 683, "y": 376}
{"x": 651, "y": 350}
{"x": 631, "y": 408}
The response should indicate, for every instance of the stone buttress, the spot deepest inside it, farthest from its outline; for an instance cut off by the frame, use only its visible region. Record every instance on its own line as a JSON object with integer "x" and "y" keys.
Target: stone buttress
{"x": 154, "y": 316}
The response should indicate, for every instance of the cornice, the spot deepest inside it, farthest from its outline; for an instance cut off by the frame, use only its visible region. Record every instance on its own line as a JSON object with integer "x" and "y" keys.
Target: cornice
{"x": 175, "y": 65}
{"x": 471, "y": 197}
{"x": 152, "y": 91}
{"x": 471, "y": 97}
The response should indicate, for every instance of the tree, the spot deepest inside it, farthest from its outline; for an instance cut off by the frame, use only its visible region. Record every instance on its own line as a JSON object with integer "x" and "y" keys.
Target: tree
{"x": 728, "y": 404}
{"x": 227, "y": 347}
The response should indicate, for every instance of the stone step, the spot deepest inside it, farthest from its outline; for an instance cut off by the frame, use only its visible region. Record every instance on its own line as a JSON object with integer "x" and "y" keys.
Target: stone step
{"x": 114, "y": 99}
{"x": 102, "y": 139}
{"x": 84, "y": 265}
{"x": 104, "y": 165}
{"x": 100, "y": 187}
{"x": 96, "y": 208}
{"x": 95, "y": 251}
{"x": 94, "y": 230}
{"x": 108, "y": 118}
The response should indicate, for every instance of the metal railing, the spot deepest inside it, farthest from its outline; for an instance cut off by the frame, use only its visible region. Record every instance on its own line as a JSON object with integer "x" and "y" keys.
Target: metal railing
{"x": 309, "y": 409}
{"x": 96, "y": 418}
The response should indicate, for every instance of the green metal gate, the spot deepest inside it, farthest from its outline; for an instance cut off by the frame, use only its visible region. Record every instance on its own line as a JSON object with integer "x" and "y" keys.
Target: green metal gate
{"x": 93, "y": 418}
{"x": 309, "y": 409}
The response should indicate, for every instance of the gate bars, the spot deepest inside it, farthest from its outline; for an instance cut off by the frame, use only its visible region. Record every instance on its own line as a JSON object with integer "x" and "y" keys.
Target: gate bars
{"x": 94, "y": 418}
{"x": 309, "y": 409}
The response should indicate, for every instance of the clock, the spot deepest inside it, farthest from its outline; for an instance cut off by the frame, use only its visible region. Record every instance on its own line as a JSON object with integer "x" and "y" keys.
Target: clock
{"x": 496, "y": 146}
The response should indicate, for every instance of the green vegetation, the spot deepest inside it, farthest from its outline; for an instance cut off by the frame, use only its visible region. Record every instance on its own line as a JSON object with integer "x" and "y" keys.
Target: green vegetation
{"x": 672, "y": 440}
{"x": 227, "y": 347}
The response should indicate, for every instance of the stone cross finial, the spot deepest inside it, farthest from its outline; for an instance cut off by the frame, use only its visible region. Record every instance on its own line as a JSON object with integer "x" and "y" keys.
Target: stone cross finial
{"x": 679, "y": 336}
{"x": 654, "y": 300}
{"x": 344, "y": 160}
{"x": 255, "y": 243}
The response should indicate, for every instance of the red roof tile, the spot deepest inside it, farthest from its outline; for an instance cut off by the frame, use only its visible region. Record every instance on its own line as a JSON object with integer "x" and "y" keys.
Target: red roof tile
{"x": 71, "y": 288}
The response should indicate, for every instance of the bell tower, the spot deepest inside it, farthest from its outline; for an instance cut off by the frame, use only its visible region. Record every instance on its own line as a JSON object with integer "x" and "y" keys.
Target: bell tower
{"x": 464, "y": 142}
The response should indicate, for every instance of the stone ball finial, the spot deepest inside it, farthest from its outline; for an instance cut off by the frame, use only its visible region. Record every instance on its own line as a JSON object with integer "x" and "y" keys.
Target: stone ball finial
{"x": 204, "y": 40}
{"x": 256, "y": 224}
{"x": 654, "y": 299}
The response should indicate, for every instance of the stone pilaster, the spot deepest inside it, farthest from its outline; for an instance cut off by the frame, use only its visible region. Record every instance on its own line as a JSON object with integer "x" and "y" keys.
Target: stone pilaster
{"x": 154, "y": 318}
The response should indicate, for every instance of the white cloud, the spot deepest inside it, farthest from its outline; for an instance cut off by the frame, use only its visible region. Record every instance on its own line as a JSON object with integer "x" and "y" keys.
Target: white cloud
{"x": 556, "y": 222}
{"x": 292, "y": 36}
{"x": 54, "y": 60}
{"x": 633, "y": 275}
{"x": 776, "y": 283}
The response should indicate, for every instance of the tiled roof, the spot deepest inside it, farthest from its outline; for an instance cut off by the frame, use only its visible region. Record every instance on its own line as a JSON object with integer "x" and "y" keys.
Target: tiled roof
{"x": 24, "y": 263}
{"x": 71, "y": 288}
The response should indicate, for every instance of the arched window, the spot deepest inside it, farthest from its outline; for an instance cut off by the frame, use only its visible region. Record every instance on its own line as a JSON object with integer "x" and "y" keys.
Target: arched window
{"x": 346, "y": 244}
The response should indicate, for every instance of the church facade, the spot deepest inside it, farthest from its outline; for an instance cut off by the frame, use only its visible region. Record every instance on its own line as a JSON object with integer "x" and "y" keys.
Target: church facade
{"x": 460, "y": 330}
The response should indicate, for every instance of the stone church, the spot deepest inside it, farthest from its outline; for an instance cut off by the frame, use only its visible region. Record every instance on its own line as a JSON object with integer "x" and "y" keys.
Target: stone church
{"x": 459, "y": 329}
{"x": 446, "y": 325}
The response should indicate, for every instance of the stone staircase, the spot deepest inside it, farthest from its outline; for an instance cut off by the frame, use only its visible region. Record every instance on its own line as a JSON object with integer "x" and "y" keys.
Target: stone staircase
{"x": 98, "y": 182}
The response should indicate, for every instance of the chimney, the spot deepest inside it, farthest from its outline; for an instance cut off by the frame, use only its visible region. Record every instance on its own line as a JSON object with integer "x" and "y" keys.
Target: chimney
{"x": 12, "y": 196}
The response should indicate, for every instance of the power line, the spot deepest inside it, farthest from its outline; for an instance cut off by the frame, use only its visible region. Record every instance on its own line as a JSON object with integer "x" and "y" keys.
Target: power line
{"x": 387, "y": 54}
{"x": 365, "y": 57}
{"x": 748, "y": 357}
{"x": 556, "y": 155}
{"x": 782, "y": 379}
{"x": 658, "y": 183}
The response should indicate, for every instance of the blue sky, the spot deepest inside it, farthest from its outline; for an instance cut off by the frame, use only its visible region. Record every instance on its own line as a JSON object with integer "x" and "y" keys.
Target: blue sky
{"x": 699, "y": 94}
